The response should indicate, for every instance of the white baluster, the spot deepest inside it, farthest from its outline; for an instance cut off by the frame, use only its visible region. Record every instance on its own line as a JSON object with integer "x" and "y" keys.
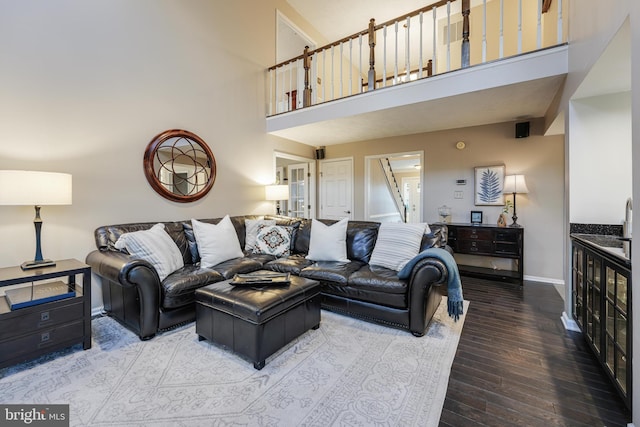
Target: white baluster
{"x": 350, "y": 66}
{"x": 448, "y": 36}
{"x": 333, "y": 80}
{"x": 539, "y": 30}
{"x": 501, "y": 54}
{"x": 284, "y": 88}
{"x": 519, "y": 26}
{"x": 407, "y": 59}
{"x": 484, "y": 31}
{"x": 395, "y": 67}
{"x": 271, "y": 92}
{"x": 384, "y": 56}
{"x": 324, "y": 81}
{"x": 341, "y": 70}
{"x": 314, "y": 79}
{"x": 360, "y": 64}
{"x": 420, "y": 60}
{"x": 435, "y": 37}
{"x": 560, "y": 36}
{"x": 291, "y": 106}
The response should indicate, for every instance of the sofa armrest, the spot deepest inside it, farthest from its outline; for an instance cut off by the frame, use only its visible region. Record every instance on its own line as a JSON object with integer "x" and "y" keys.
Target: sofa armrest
{"x": 128, "y": 271}
{"x": 426, "y": 275}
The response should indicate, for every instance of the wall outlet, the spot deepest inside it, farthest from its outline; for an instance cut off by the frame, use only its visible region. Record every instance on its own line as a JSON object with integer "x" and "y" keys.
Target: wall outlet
{"x": 457, "y": 194}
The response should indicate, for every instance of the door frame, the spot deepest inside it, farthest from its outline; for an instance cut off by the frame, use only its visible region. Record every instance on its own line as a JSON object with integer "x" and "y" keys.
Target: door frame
{"x": 312, "y": 175}
{"x": 367, "y": 180}
{"x": 321, "y": 184}
{"x": 419, "y": 181}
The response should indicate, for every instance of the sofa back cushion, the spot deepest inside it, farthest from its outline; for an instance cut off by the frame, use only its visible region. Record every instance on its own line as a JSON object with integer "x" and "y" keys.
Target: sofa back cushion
{"x": 436, "y": 238}
{"x": 107, "y": 236}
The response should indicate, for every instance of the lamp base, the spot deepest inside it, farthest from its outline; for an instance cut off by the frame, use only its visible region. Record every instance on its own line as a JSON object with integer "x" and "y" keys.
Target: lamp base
{"x": 29, "y": 265}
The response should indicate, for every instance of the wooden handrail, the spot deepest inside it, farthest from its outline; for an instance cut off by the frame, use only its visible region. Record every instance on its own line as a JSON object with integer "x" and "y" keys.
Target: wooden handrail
{"x": 365, "y": 32}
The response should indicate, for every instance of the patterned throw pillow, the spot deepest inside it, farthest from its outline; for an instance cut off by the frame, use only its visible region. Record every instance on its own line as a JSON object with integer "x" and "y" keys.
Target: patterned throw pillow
{"x": 274, "y": 240}
{"x": 397, "y": 244}
{"x": 251, "y": 227}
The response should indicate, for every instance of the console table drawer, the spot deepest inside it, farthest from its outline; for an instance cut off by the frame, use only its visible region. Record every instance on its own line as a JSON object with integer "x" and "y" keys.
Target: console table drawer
{"x": 472, "y": 246}
{"x": 25, "y": 345}
{"x": 40, "y": 317}
{"x": 474, "y": 234}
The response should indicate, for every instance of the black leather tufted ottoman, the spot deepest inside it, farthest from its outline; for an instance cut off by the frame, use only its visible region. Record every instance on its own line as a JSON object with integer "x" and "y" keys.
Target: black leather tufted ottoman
{"x": 257, "y": 321}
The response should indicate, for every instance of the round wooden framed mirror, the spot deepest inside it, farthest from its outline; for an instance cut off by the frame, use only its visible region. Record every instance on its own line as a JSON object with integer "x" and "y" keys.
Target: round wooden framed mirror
{"x": 179, "y": 165}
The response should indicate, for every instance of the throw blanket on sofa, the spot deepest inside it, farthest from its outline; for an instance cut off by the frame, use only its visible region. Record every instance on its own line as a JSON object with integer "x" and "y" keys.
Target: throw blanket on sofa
{"x": 454, "y": 286}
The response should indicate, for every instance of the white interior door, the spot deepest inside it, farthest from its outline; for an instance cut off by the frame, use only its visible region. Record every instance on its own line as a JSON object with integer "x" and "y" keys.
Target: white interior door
{"x": 336, "y": 189}
{"x": 299, "y": 190}
{"x": 411, "y": 195}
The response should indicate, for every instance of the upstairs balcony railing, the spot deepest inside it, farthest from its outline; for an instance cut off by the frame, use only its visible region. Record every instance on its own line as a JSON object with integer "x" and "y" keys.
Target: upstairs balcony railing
{"x": 442, "y": 37}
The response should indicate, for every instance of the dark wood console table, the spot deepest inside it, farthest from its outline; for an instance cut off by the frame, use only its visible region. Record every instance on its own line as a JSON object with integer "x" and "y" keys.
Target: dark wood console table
{"x": 491, "y": 241}
{"x": 29, "y": 332}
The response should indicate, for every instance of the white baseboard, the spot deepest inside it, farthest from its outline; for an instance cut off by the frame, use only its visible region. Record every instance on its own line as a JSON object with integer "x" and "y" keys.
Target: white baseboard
{"x": 569, "y": 323}
{"x": 545, "y": 280}
{"x": 97, "y": 311}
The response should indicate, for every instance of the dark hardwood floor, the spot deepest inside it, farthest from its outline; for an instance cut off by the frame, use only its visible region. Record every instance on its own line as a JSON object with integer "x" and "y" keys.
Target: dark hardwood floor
{"x": 516, "y": 365}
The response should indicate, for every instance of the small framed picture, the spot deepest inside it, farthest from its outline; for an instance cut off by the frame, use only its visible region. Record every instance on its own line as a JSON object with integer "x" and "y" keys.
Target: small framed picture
{"x": 476, "y": 217}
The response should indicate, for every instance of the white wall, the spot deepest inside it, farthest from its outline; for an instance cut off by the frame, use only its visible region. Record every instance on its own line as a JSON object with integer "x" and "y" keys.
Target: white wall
{"x": 600, "y": 161}
{"x": 85, "y": 87}
{"x": 540, "y": 158}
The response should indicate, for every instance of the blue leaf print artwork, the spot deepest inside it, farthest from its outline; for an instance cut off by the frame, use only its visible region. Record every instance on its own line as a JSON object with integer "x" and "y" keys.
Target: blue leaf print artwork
{"x": 490, "y": 188}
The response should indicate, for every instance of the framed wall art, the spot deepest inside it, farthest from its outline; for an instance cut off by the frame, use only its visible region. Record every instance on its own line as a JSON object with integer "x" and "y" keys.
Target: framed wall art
{"x": 489, "y": 182}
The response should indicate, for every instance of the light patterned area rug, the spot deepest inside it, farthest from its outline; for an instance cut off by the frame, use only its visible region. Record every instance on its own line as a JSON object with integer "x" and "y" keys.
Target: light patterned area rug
{"x": 348, "y": 372}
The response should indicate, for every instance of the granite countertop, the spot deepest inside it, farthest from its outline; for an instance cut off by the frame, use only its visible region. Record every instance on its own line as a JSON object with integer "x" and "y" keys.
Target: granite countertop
{"x": 617, "y": 246}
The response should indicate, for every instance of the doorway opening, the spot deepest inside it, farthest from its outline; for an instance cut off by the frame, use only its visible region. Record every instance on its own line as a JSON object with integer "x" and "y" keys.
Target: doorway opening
{"x": 393, "y": 184}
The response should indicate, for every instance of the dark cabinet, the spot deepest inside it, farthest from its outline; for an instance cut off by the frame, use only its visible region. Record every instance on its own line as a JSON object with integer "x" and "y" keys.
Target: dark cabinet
{"x": 490, "y": 241}
{"x": 601, "y": 299}
{"x": 29, "y": 332}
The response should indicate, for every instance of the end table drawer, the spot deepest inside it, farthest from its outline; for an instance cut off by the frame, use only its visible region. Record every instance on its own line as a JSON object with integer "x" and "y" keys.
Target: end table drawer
{"x": 26, "y": 345}
{"x": 475, "y": 234}
{"x": 39, "y": 317}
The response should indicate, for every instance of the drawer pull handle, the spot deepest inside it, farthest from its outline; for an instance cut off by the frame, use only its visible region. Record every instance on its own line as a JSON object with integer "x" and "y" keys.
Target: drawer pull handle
{"x": 44, "y": 316}
{"x": 44, "y": 337}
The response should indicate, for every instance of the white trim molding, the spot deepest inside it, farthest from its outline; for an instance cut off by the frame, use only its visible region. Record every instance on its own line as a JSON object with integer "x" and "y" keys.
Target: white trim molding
{"x": 569, "y": 323}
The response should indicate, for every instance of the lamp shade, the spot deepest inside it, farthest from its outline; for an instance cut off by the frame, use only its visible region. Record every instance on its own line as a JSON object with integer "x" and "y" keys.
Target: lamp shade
{"x": 515, "y": 184}
{"x": 34, "y": 188}
{"x": 276, "y": 192}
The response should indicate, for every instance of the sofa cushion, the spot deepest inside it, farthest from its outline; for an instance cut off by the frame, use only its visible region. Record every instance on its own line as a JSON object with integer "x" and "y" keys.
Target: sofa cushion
{"x": 216, "y": 242}
{"x": 274, "y": 240}
{"x": 361, "y": 239}
{"x": 375, "y": 285}
{"x": 235, "y": 266}
{"x": 331, "y": 271}
{"x": 154, "y": 246}
{"x": 328, "y": 242}
{"x": 178, "y": 289}
{"x": 292, "y": 264}
{"x": 397, "y": 244}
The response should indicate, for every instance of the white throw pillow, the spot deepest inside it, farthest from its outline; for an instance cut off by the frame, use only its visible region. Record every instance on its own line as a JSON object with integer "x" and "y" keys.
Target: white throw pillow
{"x": 274, "y": 240}
{"x": 216, "y": 242}
{"x": 328, "y": 242}
{"x": 251, "y": 227}
{"x": 154, "y": 246}
{"x": 397, "y": 244}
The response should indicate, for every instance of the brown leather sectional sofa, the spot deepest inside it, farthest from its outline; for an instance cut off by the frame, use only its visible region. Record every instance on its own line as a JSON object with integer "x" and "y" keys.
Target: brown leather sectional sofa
{"x": 134, "y": 295}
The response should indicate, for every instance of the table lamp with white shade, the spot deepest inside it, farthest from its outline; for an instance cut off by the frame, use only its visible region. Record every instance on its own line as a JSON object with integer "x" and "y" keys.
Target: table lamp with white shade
{"x": 19, "y": 188}
{"x": 515, "y": 184}
{"x": 276, "y": 192}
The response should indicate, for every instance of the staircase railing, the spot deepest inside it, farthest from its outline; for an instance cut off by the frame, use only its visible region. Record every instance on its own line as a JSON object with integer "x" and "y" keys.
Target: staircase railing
{"x": 394, "y": 188}
{"x": 431, "y": 40}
